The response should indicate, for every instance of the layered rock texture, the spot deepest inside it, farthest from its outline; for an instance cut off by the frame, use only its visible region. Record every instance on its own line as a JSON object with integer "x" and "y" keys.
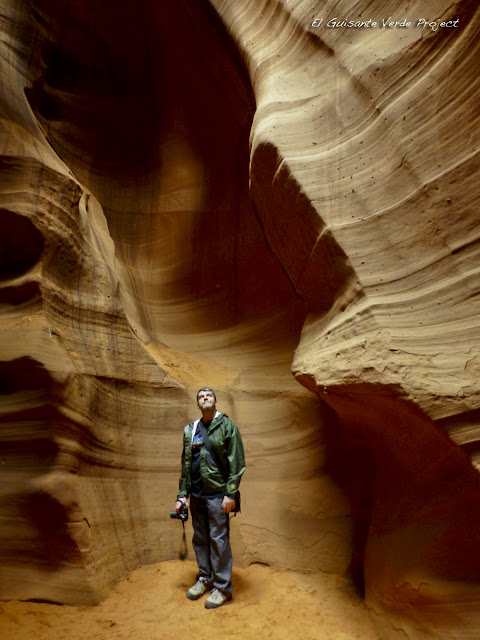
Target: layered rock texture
{"x": 222, "y": 193}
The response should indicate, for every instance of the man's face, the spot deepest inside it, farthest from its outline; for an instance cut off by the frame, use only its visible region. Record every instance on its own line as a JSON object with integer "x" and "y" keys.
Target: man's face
{"x": 206, "y": 400}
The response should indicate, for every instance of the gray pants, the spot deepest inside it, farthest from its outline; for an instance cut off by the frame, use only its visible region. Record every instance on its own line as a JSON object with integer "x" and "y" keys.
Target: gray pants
{"x": 211, "y": 542}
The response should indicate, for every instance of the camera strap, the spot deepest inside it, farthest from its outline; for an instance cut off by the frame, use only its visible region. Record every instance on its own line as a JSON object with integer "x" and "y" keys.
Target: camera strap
{"x": 184, "y": 549}
{"x": 210, "y": 449}
{"x": 207, "y": 442}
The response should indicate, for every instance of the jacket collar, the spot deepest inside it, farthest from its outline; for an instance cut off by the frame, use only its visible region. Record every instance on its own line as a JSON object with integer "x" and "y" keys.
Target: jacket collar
{"x": 195, "y": 424}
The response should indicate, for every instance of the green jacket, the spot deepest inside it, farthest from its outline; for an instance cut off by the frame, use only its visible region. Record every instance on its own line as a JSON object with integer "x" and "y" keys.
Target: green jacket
{"x": 227, "y": 444}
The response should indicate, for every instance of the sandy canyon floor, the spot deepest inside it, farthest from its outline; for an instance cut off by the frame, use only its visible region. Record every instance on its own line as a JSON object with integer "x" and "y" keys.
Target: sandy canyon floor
{"x": 150, "y": 604}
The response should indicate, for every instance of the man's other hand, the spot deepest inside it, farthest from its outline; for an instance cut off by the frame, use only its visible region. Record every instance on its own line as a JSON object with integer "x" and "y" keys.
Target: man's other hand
{"x": 179, "y": 502}
{"x": 228, "y": 504}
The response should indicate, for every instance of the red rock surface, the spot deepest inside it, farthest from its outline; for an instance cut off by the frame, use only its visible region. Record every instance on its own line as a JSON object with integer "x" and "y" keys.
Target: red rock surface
{"x": 220, "y": 193}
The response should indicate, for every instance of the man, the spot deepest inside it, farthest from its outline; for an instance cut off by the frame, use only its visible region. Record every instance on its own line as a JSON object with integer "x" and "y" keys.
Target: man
{"x": 211, "y": 483}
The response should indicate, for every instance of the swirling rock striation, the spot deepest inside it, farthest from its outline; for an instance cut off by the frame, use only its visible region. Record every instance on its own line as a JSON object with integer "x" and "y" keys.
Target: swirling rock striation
{"x": 219, "y": 193}
{"x": 137, "y": 271}
{"x": 364, "y": 172}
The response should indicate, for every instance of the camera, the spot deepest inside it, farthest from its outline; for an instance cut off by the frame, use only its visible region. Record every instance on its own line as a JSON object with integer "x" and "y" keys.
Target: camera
{"x": 181, "y": 515}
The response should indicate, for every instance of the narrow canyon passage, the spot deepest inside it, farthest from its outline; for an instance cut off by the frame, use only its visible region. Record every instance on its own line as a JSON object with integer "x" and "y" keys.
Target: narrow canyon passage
{"x": 220, "y": 193}
{"x": 178, "y": 290}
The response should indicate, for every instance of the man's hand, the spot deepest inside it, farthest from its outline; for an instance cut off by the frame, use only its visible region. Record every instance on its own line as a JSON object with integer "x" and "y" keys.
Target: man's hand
{"x": 179, "y": 502}
{"x": 228, "y": 504}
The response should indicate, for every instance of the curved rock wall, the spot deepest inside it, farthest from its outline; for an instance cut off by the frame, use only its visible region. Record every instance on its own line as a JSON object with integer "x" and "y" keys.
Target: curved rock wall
{"x": 365, "y": 188}
{"x": 209, "y": 193}
{"x": 135, "y": 272}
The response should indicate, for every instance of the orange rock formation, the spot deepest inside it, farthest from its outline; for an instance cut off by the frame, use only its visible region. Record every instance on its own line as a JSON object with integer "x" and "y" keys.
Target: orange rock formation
{"x": 224, "y": 193}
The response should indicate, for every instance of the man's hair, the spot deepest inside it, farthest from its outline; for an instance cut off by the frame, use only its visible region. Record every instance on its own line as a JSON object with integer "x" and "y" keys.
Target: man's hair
{"x": 207, "y": 389}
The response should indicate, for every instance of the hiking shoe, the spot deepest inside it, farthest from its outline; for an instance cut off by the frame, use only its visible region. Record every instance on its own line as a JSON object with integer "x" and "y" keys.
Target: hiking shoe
{"x": 198, "y": 589}
{"x": 216, "y": 599}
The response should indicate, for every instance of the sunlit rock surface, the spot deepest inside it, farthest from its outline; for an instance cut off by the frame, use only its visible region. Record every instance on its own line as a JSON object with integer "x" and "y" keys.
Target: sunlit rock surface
{"x": 223, "y": 194}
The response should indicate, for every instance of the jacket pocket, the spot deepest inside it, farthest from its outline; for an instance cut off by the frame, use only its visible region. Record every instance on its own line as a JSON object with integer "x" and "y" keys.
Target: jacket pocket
{"x": 213, "y": 481}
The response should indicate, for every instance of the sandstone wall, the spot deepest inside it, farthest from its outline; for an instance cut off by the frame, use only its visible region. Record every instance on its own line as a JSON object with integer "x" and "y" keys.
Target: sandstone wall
{"x": 135, "y": 272}
{"x": 220, "y": 193}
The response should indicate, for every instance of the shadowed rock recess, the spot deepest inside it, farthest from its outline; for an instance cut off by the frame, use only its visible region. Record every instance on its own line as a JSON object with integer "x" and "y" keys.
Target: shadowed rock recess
{"x": 219, "y": 193}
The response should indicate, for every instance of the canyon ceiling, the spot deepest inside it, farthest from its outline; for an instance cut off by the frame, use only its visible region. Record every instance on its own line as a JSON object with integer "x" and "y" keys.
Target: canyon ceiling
{"x": 217, "y": 192}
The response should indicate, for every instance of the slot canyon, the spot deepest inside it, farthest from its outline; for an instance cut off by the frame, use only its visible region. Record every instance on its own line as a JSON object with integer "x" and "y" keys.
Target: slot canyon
{"x": 220, "y": 193}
